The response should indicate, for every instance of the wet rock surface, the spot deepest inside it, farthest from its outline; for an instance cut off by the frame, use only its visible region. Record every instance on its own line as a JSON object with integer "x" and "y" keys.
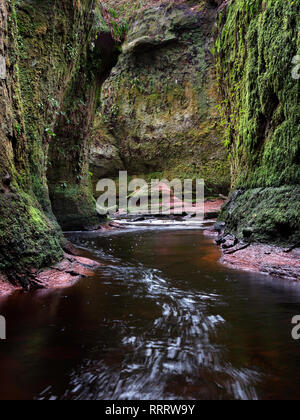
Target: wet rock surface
{"x": 158, "y": 107}
{"x": 261, "y": 110}
{"x": 277, "y": 261}
{"x": 211, "y": 211}
{"x": 44, "y": 46}
{"x": 265, "y": 259}
{"x": 62, "y": 275}
{"x": 266, "y": 215}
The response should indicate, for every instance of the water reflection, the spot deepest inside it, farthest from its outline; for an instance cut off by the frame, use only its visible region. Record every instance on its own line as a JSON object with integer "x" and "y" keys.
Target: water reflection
{"x": 176, "y": 350}
{"x": 160, "y": 320}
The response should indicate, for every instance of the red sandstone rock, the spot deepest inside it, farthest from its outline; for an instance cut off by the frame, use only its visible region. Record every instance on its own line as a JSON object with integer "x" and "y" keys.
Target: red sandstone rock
{"x": 69, "y": 248}
{"x": 6, "y": 288}
{"x": 67, "y": 272}
{"x": 62, "y": 275}
{"x": 266, "y": 259}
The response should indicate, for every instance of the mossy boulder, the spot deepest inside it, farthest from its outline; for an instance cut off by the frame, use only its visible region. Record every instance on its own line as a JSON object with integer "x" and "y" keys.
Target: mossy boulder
{"x": 266, "y": 215}
{"x": 28, "y": 237}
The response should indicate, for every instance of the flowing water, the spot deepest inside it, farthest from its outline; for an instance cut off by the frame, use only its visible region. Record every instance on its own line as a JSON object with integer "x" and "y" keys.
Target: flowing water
{"x": 161, "y": 319}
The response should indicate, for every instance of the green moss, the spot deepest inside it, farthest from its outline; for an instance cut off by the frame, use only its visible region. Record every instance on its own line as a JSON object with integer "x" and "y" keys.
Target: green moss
{"x": 46, "y": 45}
{"x": 75, "y": 207}
{"x": 159, "y": 102}
{"x": 260, "y": 110}
{"x": 36, "y": 218}
{"x": 256, "y": 43}
{"x": 68, "y": 172}
{"x": 265, "y": 215}
{"x": 45, "y": 50}
{"x": 28, "y": 239}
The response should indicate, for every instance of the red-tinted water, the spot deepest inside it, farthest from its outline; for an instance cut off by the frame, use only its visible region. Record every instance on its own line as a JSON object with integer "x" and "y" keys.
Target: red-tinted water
{"x": 161, "y": 319}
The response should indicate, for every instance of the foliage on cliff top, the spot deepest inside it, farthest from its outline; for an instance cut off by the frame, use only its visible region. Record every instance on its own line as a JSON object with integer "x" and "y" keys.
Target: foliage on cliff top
{"x": 129, "y": 9}
{"x": 118, "y": 14}
{"x": 109, "y": 20}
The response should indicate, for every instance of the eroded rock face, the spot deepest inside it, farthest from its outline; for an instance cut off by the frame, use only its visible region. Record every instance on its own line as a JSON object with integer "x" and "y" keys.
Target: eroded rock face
{"x": 159, "y": 106}
{"x": 105, "y": 160}
{"x": 29, "y": 234}
{"x": 255, "y": 51}
{"x": 69, "y": 175}
{"x": 42, "y": 44}
{"x": 266, "y": 215}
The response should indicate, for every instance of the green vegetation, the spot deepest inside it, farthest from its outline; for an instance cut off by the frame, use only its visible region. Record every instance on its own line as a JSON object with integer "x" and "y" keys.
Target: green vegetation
{"x": 267, "y": 215}
{"x": 159, "y": 103}
{"x": 260, "y": 111}
{"x": 158, "y": 111}
{"x": 45, "y": 48}
{"x": 260, "y": 106}
{"x": 128, "y": 10}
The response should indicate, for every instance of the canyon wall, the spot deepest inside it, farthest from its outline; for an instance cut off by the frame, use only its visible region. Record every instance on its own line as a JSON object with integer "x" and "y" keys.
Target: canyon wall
{"x": 260, "y": 102}
{"x": 158, "y": 114}
{"x": 184, "y": 91}
{"x": 69, "y": 175}
{"x": 44, "y": 45}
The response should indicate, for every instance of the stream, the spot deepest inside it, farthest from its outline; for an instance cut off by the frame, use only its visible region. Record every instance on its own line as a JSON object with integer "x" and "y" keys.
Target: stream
{"x": 161, "y": 319}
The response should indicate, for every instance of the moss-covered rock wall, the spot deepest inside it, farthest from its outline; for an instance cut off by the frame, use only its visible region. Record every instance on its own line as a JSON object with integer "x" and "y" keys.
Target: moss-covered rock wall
{"x": 159, "y": 111}
{"x": 43, "y": 46}
{"x": 159, "y": 104}
{"x": 69, "y": 175}
{"x": 260, "y": 105}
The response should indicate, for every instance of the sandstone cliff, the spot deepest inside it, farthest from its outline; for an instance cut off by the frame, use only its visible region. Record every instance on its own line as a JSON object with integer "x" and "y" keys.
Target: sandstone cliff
{"x": 159, "y": 109}
{"x": 46, "y": 50}
{"x": 260, "y": 100}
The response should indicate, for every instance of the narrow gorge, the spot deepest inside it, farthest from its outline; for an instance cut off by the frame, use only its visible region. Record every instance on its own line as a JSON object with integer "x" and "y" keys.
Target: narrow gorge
{"x": 191, "y": 82}
{"x": 182, "y": 89}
